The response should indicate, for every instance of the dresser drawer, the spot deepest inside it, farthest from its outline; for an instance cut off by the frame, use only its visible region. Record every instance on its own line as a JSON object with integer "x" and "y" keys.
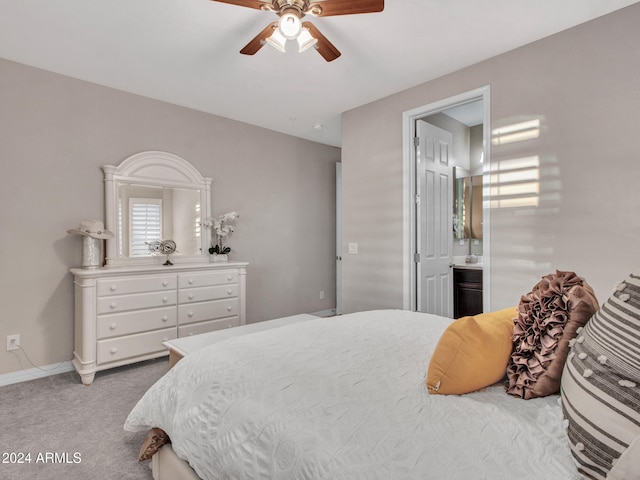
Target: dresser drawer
{"x": 122, "y": 303}
{"x": 122, "y": 286}
{"x": 199, "y": 312}
{"x": 186, "y": 280}
{"x": 201, "y": 294}
{"x": 118, "y": 324}
{"x": 133, "y": 345}
{"x": 210, "y": 326}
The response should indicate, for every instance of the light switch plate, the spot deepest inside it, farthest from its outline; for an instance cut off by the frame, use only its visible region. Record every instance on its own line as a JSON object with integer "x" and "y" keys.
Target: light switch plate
{"x": 353, "y": 248}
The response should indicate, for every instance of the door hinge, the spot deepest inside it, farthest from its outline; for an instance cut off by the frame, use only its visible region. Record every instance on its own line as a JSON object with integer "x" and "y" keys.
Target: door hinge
{"x": 416, "y": 141}
{"x": 416, "y": 257}
{"x": 417, "y": 199}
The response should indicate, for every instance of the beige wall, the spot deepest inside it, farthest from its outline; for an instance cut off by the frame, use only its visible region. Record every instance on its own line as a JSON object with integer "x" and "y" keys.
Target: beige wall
{"x": 56, "y": 134}
{"x": 583, "y": 84}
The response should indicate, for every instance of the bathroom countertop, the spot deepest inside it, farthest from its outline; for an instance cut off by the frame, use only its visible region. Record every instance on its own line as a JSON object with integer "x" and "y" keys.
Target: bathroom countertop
{"x": 469, "y": 266}
{"x": 460, "y": 261}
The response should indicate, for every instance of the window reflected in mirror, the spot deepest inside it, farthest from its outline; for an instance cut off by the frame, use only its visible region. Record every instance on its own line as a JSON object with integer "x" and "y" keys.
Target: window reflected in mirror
{"x": 149, "y": 213}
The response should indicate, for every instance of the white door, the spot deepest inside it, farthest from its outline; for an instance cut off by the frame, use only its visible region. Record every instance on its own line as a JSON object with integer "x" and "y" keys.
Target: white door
{"x": 434, "y": 212}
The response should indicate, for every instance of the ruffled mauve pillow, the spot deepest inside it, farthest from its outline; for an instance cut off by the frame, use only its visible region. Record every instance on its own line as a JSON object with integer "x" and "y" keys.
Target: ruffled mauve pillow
{"x": 548, "y": 318}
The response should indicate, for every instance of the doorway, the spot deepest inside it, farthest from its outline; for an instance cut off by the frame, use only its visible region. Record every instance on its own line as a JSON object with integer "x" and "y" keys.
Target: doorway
{"x": 415, "y": 297}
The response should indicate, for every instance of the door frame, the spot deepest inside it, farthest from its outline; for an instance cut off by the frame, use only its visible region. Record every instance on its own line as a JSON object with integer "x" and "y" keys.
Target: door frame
{"x": 409, "y": 165}
{"x": 338, "y": 238}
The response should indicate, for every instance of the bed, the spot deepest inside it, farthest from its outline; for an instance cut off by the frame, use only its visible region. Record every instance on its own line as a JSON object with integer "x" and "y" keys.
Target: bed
{"x": 549, "y": 389}
{"x": 344, "y": 398}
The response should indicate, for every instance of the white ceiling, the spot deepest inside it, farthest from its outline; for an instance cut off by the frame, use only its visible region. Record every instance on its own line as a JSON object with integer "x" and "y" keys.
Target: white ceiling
{"x": 186, "y": 51}
{"x": 471, "y": 113}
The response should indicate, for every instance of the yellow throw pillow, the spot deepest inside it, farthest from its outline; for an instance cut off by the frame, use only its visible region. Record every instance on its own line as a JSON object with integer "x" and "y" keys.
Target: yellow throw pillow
{"x": 472, "y": 353}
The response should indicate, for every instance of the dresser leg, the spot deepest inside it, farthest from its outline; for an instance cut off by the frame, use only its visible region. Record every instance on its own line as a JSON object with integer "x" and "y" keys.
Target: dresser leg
{"x": 86, "y": 370}
{"x": 87, "y": 378}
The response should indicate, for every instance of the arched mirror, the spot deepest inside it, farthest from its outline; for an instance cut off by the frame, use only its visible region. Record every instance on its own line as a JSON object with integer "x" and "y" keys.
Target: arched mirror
{"x": 154, "y": 197}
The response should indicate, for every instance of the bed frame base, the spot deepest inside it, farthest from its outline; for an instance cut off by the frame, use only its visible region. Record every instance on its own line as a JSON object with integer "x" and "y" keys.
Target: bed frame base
{"x": 166, "y": 465}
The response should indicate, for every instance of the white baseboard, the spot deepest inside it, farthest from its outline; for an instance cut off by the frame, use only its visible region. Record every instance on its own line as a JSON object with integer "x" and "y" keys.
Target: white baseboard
{"x": 33, "y": 373}
{"x": 324, "y": 313}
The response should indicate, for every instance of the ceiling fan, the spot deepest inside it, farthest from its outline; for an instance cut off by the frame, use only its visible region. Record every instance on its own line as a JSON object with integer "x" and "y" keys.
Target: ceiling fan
{"x": 291, "y": 27}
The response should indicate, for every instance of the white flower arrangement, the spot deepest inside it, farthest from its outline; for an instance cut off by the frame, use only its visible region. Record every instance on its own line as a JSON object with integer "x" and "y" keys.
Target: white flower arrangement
{"x": 222, "y": 226}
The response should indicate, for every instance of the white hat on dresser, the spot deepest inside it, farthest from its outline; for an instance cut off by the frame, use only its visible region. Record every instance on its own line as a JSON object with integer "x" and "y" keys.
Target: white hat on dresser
{"x": 92, "y": 228}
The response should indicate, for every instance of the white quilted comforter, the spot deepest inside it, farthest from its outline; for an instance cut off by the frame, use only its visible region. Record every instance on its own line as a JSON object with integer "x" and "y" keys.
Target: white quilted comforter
{"x": 345, "y": 398}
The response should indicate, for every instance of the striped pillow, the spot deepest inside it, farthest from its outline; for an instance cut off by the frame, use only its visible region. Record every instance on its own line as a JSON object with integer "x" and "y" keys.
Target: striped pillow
{"x": 601, "y": 383}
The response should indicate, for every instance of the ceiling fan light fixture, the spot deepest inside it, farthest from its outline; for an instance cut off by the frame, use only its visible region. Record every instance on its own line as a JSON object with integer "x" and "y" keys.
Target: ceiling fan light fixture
{"x": 305, "y": 40}
{"x": 290, "y": 25}
{"x": 277, "y": 40}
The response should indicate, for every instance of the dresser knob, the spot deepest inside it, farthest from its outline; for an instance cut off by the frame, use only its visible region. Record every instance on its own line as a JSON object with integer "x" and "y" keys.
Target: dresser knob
{"x": 229, "y": 308}
{"x": 165, "y": 283}
{"x": 191, "y": 296}
{"x": 114, "y": 288}
{"x": 191, "y": 281}
{"x": 190, "y": 314}
{"x": 229, "y": 326}
{"x": 229, "y": 292}
{"x": 113, "y": 326}
{"x": 114, "y": 350}
{"x": 165, "y": 299}
{"x": 165, "y": 339}
{"x": 165, "y": 319}
{"x": 113, "y": 305}
{"x": 191, "y": 334}
{"x": 229, "y": 277}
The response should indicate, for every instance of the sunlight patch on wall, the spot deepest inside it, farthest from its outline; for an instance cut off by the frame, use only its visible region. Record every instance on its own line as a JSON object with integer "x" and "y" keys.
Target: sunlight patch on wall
{"x": 516, "y": 132}
{"x": 525, "y": 196}
{"x": 515, "y": 182}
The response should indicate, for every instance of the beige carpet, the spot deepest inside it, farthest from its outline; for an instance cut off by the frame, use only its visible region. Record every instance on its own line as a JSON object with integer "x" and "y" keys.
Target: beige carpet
{"x": 73, "y": 432}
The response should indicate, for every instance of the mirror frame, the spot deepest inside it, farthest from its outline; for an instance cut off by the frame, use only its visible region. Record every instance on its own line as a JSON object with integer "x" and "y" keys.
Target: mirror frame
{"x": 159, "y": 169}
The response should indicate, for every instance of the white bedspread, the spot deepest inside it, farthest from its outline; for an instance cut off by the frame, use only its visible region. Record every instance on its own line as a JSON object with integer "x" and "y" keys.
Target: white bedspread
{"x": 345, "y": 398}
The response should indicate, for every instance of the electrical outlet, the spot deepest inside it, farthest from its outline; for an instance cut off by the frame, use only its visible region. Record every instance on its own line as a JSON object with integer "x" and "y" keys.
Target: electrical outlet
{"x": 13, "y": 342}
{"x": 321, "y": 294}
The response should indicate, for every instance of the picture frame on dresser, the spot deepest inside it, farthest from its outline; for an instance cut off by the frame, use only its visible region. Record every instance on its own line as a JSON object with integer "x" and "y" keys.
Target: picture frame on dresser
{"x": 125, "y": 310}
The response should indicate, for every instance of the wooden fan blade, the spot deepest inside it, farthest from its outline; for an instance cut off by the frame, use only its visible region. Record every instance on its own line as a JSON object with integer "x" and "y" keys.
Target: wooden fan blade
{"x": 248, "y": 3}
{"x": 325, "y": 48}
{"x": 328, "y": 8}
{"x": 259, "y": 40}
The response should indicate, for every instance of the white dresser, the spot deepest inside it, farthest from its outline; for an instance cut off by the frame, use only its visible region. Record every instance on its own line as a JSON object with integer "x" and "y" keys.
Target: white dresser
{"x": 124, "y": 314}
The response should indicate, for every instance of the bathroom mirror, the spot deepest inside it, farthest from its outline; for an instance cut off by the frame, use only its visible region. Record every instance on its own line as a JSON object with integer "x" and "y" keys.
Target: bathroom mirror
{"x": 155, "y": 196}
{"x": 468, "y": 208}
